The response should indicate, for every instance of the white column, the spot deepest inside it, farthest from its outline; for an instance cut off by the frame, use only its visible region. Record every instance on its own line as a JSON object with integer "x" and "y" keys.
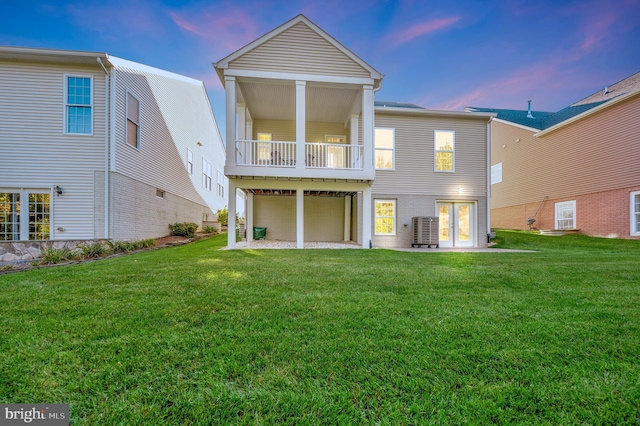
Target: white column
{"x": 367, "y": 126}
{"x": 241, "y": 110}
{"x": 230, "y": 111}
{"x": 248, "y": 130}
{"x": 300, "y": 218}
{"x": 231, "y": 232}
{"x": 356, "y": 161}
{"x": 347, "y": 217}
{"x": 249, "y": 217}
{"x": 366, "y": 217}
{"x": 300, "y": 123}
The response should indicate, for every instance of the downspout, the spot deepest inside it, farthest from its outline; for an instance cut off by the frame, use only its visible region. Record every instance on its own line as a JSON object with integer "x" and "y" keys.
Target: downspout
{"x": 107, "y": 148}
{"x": 489, "y": 180}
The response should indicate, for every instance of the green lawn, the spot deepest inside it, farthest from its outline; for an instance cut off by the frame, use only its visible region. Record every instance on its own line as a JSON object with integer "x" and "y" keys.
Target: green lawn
{"x": 196, "y": 335}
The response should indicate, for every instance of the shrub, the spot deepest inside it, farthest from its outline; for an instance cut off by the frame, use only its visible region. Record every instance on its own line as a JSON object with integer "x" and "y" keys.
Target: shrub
{"x": 6, "y": 267}
{"x": 119, "y": 246}
{"x": 92, "y": 250}
{"x": 210, "y": 229}
{"x": 185, "y": 229}
{"x": 53, "y": 255}
{"x": 147, "y": 243}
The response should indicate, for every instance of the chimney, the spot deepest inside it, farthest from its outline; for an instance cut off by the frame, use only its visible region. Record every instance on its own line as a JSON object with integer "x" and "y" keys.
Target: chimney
{"x": 529, "y": 110}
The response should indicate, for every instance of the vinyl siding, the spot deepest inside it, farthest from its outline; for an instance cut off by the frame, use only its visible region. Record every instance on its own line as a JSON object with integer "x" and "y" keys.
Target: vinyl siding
{"x": 599, "y": 153}
{"x": 35, "y": 151}
{"x": 414, "y": 157}
{"x": 300, "y": 50}
{"x": 286, "y": 130}
{"x": 174, "y": 116}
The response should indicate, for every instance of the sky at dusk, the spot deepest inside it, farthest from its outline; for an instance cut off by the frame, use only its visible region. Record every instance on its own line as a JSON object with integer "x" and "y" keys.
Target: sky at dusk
{"x": 437, "y": 54}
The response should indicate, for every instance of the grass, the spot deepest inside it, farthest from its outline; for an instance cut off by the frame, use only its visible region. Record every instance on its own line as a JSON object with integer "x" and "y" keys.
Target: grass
{"x": 195, "y": 335}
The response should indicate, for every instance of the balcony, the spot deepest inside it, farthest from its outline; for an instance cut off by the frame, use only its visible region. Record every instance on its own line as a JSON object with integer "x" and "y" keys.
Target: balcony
{"x": 280, "y": 159}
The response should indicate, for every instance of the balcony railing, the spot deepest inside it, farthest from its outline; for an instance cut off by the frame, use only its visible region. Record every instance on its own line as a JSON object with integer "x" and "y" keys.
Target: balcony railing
{"x": 283, "y": 154}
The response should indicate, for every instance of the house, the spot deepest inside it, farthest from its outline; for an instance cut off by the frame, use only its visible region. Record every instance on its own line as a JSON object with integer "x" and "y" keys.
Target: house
{"x": 319, "y": 160}
{"x": 97, "y": 147}
{"x": 572, "y": 170}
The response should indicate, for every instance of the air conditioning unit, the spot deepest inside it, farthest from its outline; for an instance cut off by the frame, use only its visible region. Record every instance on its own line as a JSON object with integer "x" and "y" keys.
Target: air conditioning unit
{"x": 425, "y": 231}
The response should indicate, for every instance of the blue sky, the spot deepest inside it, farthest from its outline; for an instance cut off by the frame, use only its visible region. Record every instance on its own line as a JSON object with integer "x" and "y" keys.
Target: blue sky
{"x": 438, "y": 54}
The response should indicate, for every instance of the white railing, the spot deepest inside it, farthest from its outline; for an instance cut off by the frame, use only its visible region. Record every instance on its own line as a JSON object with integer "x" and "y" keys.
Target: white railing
{"x": 283, "y": 154}
{"x": 265, "y": 153}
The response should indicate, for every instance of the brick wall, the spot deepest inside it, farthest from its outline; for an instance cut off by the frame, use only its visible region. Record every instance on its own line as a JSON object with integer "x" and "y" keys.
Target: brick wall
{"x": 603, "y": 214}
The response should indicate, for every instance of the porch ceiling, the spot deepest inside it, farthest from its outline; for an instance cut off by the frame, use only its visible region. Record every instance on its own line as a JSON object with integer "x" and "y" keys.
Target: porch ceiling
{"x": 256, "y": 191}
{"x": 268, "y": 101}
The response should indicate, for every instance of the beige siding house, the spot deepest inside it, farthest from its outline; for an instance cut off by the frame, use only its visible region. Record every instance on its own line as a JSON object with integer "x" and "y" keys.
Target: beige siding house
{"x": 319, "y": 160}
{"x": 576, "y": 169}
{"x": 66, "y": 117}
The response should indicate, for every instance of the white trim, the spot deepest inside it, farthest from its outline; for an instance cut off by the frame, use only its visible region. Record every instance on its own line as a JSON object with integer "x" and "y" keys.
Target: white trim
{"x": 190, "y": 162}
{"x": 438, "y": 113}
{"x": 207, "y": 179}
{"x": 395, "y": 216}
{"x": 66, "y": 105}
{"x": 572, "y": 203}
{"x": 632, "y": 212}
{"x": 126, "y": 120}
{"x": 392, "y": 149}
{"x": 453, "y": 152}
{"x": 587, "y": 113}
{"x": 273, "y": 75}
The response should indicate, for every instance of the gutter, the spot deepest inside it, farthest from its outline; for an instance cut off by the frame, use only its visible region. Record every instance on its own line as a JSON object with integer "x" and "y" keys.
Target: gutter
{"x": 107, "y": 139}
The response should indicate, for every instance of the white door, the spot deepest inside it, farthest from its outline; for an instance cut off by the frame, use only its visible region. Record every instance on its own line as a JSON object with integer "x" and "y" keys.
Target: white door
{"x": 457, "y": 224}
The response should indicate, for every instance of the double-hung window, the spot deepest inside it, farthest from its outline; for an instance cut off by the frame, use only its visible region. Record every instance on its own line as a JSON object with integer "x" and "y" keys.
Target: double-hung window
{"x": 384, "y": 147}
{"x": 444, "y": 143}
{"x": 78, "y": 105}
{"x": 220, "y": 184}
{"x": 189, "y": 161}
{"x": 133, "y": 121}
{"x": 565, "y": 215}
{"x": 206, "y": 174}
{"x": 635, "y": 213}
{"x": 385, "y": 211}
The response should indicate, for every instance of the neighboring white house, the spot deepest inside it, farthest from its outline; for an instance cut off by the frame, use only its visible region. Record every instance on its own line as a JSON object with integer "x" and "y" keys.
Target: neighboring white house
{"x": 318, "y": 160}
{"x": 66, "y": 117}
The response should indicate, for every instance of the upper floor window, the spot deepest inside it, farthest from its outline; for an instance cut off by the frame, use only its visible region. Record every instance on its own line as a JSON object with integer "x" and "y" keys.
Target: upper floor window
{"x": 565, "y": 216}
{"x": 189, "y": 161}
{"x": 444, "y": 150}
{"x": 635, "y": 213}
{"x": 206, "y": 174}
{"x": 78, "y": 105}
{"x": 220, "y": 184}
{"x": 133, "y": 121}
{"x": 384, "y": 146}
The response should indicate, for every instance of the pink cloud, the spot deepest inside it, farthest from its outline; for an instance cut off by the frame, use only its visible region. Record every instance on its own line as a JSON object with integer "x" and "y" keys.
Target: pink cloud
{"x": 420, "y": 29}
{"x": 230, "y": 30}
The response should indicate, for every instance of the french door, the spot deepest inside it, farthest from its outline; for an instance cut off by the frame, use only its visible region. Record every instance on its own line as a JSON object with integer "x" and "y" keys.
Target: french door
{"x": 457, "y": 224}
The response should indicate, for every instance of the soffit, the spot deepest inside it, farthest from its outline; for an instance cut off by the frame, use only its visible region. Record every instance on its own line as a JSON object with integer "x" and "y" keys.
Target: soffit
{"x": 65, "y": 57}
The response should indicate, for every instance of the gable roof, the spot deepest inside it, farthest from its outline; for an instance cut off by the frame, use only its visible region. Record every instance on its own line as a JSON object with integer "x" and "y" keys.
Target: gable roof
{"x": 224, "y": 63}
{"x": 549, "y": 121}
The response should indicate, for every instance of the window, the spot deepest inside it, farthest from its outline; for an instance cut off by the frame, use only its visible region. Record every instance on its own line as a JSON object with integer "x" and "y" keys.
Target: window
{"x": 35, "y": 215}
{"x": 220, "y": 184}
{"x": 496, "y": 173}
{"x": 264, "y": 147}
{"x": 335, "y": 154}
{"x": 635, "y": 213}
{"x": 206, "y": 174}
{"x": 385, "y": 217}
{"x": 566, "y": 215}
{"x": 384, "y": 143}
{"x": 133, "y": 121}
{"x": 78, "y": 110}
{"x": 444, "y": 146}
{"x": 189, "y": 161}
{"x": 159, "y": 193}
